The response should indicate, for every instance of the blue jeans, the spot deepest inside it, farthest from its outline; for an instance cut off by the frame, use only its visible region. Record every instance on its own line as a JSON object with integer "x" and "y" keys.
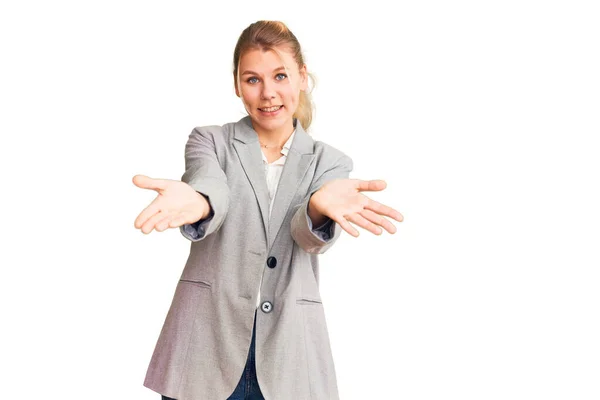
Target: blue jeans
{"x": 247, "y": 388}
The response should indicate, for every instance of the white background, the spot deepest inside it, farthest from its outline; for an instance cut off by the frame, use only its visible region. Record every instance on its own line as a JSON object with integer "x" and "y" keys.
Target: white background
{"x": 481, "y": 116}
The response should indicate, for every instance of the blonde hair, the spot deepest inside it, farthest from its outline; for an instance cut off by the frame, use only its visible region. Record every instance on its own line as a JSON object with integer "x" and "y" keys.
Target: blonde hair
{"x": 266, "y": 35}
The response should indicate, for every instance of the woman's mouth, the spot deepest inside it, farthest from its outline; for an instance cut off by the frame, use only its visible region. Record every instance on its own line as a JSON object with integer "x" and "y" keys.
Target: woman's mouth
{"x": 270, "y": 110}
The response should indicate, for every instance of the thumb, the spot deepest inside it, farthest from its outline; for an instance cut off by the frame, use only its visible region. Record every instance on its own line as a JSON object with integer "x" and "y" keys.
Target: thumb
{"x": 374, "y": 185}
{"x": 145, "y": 182}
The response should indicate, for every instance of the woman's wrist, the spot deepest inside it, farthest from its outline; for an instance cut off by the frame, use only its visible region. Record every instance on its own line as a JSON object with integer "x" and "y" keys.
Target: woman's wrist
{"x": 315, "y": 216}
{"x": 205, "y": 205}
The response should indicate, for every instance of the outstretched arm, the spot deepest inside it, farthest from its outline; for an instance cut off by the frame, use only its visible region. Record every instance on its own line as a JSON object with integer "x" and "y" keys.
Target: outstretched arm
{"x": 316, "y": 233}
{"x": 198, "y": 203}
{"x": 336, "y": 203}
{"x": 204, "y": 173}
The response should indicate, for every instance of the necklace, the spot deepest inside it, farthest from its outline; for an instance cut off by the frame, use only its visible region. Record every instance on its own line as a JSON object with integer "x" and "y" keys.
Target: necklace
{"x": 269, "y": 146}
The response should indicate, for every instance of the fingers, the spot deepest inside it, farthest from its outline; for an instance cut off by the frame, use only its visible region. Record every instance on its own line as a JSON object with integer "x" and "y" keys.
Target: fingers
{"x": 148, "y": 212}
{"x": 371, "y": 221}
{"x": 378, "y": 220}
{"x": 145, "y": 182}
{"x": 370, "y": 218}
{"x": 378, "y": 185}
{"x": 143, "y": 220}
{"x": 152, "y": 221}
{"x": 345, "y": 225}
{"x": 382, "y": 209}
{"x": 163, "y": 220}
{"x": 367, "y": 220}
{"x": 165, "y": 223}
{"x": 364, "y": 223}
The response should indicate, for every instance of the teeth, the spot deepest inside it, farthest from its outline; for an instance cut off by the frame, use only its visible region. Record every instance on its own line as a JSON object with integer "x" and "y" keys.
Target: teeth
{"x": 271, "y": 109}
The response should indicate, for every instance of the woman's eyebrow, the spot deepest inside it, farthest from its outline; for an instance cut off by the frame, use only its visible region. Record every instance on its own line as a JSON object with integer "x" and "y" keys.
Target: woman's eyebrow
{"x": 248, "y": 72}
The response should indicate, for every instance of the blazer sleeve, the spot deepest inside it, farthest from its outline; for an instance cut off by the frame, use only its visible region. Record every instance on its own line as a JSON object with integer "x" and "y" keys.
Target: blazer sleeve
{"x": 319, "y": 240}
{"x": 204, "y": 173}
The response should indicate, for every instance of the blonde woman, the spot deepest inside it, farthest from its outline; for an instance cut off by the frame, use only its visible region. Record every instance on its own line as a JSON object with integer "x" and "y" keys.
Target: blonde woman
{"x": 259, "y": 201}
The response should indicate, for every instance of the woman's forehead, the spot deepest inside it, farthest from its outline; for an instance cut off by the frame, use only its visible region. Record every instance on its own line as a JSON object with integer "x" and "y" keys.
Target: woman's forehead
{"x": 266, "y": 60}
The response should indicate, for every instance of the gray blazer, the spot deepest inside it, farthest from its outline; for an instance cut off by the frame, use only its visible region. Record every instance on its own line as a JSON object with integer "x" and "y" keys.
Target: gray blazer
{"x": 203, "y": 345}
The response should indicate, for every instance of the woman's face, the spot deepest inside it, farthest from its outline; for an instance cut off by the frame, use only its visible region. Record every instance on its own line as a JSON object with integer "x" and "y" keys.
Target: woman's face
{"x": 269, "y": 94}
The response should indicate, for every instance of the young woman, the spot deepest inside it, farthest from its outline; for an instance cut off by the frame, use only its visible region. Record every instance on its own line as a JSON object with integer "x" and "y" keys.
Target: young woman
{"x": 259, "y": 200}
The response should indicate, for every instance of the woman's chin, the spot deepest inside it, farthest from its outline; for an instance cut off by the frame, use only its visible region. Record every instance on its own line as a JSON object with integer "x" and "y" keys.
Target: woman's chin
{"x": 272, "y": 124}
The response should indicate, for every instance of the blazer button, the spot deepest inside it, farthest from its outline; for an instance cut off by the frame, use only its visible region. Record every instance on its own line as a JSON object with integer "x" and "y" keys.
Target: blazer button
{"x": 267, "y": 307}
{"x": 271, "y": 262}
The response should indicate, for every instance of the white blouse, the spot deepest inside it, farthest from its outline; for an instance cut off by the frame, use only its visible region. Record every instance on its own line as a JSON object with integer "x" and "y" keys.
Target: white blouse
{"x": 273, "y": 174}
{"x": 273, "y": 170}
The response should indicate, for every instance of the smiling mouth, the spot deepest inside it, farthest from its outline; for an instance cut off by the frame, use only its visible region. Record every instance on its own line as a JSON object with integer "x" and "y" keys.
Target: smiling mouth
{"x": 270, "y": 109}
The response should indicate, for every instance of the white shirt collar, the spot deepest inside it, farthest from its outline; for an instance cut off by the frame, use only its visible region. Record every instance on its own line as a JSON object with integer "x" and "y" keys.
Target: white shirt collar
{"x": 288, "y": 145}
{"x": 286, "y": 148}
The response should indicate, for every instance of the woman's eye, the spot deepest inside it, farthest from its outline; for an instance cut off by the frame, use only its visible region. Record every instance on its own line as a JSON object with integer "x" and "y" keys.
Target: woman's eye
{"x": 252, "y": 80}
{"x": 280, "y": 77}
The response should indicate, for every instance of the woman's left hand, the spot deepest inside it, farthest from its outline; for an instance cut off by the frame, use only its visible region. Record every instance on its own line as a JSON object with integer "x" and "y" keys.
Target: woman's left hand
{"x": 342, "y": 201}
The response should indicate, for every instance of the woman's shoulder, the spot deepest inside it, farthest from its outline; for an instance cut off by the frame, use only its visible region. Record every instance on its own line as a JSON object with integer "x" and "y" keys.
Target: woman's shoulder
{"x": 216, "y": 133}
{"x": 327, "y": 151}
{"x": 329, "y": 157}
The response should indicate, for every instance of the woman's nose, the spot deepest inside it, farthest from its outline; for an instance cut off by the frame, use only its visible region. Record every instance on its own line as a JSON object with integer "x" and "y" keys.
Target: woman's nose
{"x": 267, "y": 91}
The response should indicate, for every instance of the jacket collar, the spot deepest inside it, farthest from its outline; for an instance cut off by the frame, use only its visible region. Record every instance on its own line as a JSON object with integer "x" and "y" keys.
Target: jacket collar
{"x": 245, "y": 133}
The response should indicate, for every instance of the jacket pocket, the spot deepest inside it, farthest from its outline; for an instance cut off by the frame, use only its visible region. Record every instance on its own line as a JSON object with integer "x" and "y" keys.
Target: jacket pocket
{"x": 202, "y": 284}
{"x": 306, "y": 300}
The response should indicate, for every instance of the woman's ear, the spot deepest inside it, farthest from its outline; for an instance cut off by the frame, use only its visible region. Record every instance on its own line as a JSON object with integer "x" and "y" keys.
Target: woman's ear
{"x": 235, "y": 85}
{"x": 303, "y": 78}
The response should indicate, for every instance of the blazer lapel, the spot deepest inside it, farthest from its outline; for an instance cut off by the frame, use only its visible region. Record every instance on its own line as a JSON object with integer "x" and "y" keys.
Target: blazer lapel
{"x": 299, "y": 158}
{"x": 248, "y": 150}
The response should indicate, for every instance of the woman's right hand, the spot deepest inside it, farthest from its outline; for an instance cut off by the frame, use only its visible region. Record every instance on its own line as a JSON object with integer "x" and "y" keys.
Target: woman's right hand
{"x": 177, "y": 204}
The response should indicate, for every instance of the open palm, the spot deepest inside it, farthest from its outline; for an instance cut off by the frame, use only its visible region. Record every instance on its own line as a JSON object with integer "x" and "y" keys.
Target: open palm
{"x": 342, "y": 200}
{"x": 177, "y": 204}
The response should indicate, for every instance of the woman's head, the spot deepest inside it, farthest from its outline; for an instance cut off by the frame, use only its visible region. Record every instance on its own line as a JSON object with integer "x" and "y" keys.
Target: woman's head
{"x": 269, "y": 71}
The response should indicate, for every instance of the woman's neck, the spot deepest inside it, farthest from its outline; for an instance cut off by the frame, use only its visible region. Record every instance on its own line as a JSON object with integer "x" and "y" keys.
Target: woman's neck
{"x": 275, "y": 138}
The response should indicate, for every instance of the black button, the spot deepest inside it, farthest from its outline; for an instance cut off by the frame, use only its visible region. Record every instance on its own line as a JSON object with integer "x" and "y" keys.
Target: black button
{"x": 271, "y": 262}
{"x": 267, "y": 307}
